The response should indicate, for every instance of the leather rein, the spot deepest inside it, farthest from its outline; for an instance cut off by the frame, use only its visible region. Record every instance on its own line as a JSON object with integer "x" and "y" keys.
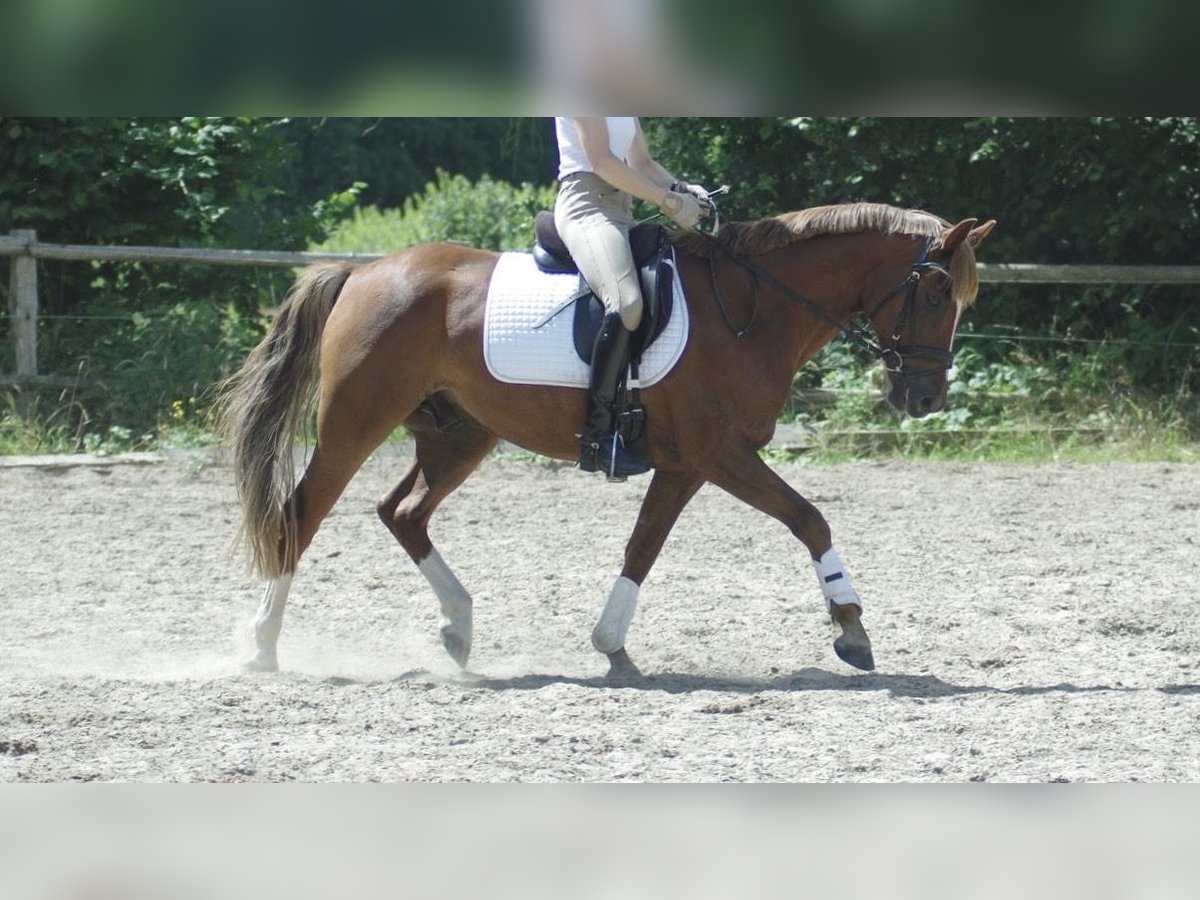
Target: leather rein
{"x": 893, "y": 357}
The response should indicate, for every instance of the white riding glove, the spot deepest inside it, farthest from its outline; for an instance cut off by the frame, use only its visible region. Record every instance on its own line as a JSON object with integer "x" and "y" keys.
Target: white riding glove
{"x": 697, "y": 191}
{"x": 682, "y": 209}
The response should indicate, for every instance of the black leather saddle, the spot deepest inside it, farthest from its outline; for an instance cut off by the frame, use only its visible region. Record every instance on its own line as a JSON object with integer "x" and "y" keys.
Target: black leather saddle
{"x": 655, "y": 261}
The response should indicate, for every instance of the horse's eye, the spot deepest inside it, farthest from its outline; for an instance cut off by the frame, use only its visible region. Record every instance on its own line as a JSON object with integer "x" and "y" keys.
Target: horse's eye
{"x": 934, "y": 300}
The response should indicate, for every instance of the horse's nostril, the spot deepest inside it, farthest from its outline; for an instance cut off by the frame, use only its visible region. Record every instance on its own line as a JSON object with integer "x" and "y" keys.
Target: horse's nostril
{"x": 925, "y": 404}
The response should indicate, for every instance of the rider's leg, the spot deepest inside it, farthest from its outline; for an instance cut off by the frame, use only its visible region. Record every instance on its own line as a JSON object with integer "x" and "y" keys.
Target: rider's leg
{"x": 600, "y": 447}
{"x": 593, "y": 220}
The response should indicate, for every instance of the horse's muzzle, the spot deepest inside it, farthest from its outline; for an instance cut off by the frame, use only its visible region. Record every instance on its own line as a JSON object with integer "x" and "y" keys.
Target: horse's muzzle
{"x": 918, "y": 396}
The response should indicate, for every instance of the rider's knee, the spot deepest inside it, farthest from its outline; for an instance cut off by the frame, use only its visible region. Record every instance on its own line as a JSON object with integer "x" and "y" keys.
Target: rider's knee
{"x": 631, "y": 312}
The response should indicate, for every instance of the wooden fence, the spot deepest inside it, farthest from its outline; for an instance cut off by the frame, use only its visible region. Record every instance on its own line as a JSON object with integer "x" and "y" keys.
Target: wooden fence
{"x": 23, "y": 246}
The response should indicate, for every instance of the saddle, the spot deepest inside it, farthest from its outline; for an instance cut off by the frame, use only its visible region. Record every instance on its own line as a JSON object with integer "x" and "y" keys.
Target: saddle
{"x": 656, "y": 268}
{"x": 655, "y": 263}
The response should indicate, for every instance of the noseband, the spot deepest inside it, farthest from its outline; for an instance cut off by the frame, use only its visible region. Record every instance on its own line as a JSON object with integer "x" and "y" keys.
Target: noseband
{"x": 893, "y": 357}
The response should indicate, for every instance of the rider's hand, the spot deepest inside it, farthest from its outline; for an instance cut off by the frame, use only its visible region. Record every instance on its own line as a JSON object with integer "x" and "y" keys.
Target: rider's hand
{"x": 682, "y": 209}
{"x": 697, "y": 191}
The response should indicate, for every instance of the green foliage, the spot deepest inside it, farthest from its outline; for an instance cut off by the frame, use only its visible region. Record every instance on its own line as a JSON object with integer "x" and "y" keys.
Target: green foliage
{"x": 193, "y": 182}
{"x": 1092, "y": 190}
{"x": 150, "y": 369}
{"x": 488, "y": 214}
{"x": 143, "y": 380}
{"x": 38, "y": 422}
{"x": 396, "y": 157}
{"x": 146, "y": 340}
{"x": 1068, "y": 405}
{"x": 142, "y": 337}
{"x": 181, "y": 182}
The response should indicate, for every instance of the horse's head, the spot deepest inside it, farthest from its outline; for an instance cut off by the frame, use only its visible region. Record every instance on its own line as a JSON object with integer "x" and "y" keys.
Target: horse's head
{"x": 916, "y": 320}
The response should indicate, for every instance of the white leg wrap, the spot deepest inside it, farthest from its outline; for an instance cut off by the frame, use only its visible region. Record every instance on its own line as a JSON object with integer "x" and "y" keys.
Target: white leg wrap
{"x": 268, "y": 624}
{"x": 609, "y": 634}
{"x": 269, "y": 620}
{"x": 835, "y": 580}
{"x": 453, "y": 597}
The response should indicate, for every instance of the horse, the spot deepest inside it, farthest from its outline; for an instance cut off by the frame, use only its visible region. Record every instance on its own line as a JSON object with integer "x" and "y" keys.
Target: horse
{"x": 398, "y": 341}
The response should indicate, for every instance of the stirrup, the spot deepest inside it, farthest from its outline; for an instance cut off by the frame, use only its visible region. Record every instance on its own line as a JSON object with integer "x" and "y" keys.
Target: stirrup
{"x": 617, "y": 464}
{"x": 610, "y": 472}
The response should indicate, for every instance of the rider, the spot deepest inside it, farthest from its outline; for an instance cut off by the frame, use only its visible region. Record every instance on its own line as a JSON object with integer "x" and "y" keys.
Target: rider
{"x": 603, "y": 164}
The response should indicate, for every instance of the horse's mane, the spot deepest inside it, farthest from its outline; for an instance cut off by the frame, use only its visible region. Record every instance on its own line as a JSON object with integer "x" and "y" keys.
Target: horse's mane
{"x": 775, "y": 232}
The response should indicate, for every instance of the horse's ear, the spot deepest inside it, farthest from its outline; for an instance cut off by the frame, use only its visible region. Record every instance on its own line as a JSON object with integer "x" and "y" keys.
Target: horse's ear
{"x": 975, "y": 238}
{"x": 956, "y": 235}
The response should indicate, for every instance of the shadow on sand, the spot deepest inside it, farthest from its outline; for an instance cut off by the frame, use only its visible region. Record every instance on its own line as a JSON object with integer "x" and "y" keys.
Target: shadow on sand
{"x": 808, "y": 679}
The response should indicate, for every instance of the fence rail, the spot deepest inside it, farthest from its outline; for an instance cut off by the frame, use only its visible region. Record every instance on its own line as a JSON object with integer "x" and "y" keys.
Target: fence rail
{"x": 24, "y": 247}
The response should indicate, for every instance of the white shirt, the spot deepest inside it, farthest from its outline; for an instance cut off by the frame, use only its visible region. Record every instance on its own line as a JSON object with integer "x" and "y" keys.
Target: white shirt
{"x": 572, "y": 158}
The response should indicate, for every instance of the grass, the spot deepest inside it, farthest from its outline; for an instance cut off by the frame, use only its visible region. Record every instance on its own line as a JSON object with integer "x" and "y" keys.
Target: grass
{"x": 1011, "y": 447}
{"x": 994, "y": 413}
{"x": 1020, "y": 410}
{"x": 28, "y": 426}
{"x": 1135, "y": 436}
{"x": 33, "y": 424}
{"x": 1034, "y": 434}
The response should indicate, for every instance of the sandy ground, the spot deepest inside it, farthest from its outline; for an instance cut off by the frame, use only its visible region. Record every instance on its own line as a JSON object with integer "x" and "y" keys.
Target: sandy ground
{"x": 1031, "y": 623}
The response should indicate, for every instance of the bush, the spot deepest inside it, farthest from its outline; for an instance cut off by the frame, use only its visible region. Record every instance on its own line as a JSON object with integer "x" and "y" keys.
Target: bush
{"x": 1117, "y": 190}
{"x": 145, "y": 340}
{"x": 140, "y": 373}
{"x": 148, "y": 341}
{"x": 488, "y": 214}
{"x": 1026, "y": 406}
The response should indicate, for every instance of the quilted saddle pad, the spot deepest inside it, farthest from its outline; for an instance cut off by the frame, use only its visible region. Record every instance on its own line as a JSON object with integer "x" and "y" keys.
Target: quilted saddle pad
{"x": 527, "y": 330}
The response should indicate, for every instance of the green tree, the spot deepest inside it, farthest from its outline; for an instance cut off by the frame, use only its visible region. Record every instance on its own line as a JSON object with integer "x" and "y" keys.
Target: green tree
{"x": 162, "y": 182}
{"x": 143, "y": 336}
{"x": 1064, "y": 190}
{"x": 396, "y": 157}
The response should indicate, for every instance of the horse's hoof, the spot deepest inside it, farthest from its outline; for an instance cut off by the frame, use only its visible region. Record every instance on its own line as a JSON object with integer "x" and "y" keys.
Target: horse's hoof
{"x": 621, "y": 667}
{"x": 854, "y": 653}
{"x": 261, "y": 664}
{"x": 458, "y": 648}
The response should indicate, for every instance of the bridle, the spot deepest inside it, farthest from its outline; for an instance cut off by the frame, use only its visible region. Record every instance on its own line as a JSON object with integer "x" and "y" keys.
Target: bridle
{"x": 894, "y": 358}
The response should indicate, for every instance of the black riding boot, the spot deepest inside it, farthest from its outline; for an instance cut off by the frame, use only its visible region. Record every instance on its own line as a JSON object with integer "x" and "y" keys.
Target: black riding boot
{"x": 600, "y": 445}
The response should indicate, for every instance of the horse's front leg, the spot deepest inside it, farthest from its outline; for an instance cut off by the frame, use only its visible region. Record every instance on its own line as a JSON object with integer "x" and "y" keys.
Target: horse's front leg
{"x": 853, "y": 645}
{"x": 666, "y": 497}
{"x": 745, "y": 476}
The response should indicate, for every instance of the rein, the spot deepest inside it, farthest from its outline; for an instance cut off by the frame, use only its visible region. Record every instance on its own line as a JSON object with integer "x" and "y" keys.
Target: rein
{"x": 892, "y": 357}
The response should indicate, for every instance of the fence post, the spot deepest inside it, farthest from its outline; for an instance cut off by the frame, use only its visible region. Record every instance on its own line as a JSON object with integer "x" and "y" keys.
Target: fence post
{"x": 23, "y": 305}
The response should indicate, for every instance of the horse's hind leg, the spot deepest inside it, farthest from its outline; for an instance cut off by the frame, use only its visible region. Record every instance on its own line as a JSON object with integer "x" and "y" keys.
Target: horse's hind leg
{"x": 324, "y": 480}
{"x": 268, "y": 622}
{"x": 449, "y": 448}
{"x": 345, "y": 438}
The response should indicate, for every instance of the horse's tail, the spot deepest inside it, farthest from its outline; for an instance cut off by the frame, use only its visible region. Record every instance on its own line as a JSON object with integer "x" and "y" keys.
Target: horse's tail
{"x": 263, "y": 405}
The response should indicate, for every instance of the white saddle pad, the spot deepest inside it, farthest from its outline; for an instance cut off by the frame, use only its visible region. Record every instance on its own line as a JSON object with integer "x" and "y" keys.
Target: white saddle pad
{"x": 524, "y": 343}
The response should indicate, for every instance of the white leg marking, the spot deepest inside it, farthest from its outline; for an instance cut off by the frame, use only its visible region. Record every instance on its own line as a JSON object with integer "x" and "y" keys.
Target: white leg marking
{"x": 455, "y": 603}
{"x": 269, "y": 622}
{"x": 609, "y": 634}
{"x": 835, "y": 581}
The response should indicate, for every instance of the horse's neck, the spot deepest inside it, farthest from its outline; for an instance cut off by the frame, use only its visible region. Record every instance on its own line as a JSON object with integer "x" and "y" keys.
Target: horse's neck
{"x": 831, "y": 274}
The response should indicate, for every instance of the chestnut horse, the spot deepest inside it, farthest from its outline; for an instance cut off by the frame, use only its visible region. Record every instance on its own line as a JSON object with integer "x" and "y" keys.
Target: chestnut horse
{"x": 399, "y": 341}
